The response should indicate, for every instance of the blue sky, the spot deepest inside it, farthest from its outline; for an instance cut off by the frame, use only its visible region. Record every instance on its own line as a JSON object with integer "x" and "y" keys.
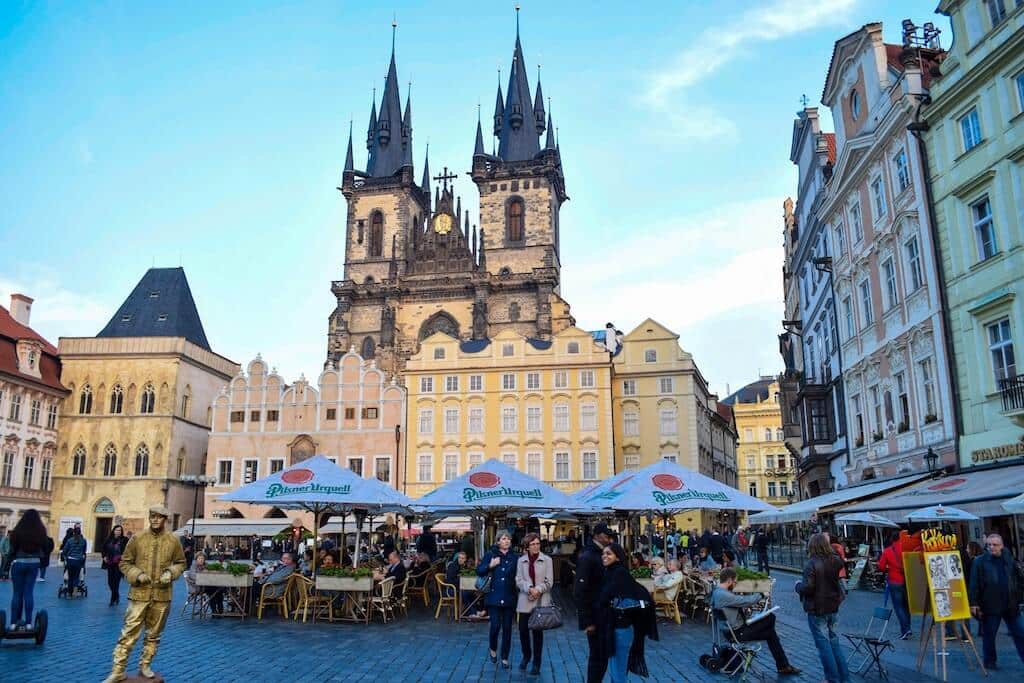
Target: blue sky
{"x": 212, "y": 135}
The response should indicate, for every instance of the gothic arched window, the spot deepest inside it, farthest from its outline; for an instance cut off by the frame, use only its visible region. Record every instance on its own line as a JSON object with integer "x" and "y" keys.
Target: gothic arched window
{"x": 142, "y": 461}
{"x": 376, "y": 234}
{"x": 148, "y": 402}
{"x": 78, "y": 461}
{"x": 109, "y": 460}
{"x": 369, "y": 348}
{"x": 85, "y": 401}
{"x": 516, "y": 215}
{"x": 116, "y": 400}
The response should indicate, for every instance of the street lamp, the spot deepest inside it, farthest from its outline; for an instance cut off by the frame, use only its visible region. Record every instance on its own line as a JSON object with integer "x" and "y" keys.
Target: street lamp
{"x": 789, "y": 496}
{"x": 196, "y": 481}
{"x": 931, "y": 459}
{"x": 831, "y": 483}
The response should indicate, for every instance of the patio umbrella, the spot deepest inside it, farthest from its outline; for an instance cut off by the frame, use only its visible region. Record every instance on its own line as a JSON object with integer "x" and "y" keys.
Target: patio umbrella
{"x": 867, "y": 519}
{"x": 941, "y": 513}
{"x": 1015, "y": 505}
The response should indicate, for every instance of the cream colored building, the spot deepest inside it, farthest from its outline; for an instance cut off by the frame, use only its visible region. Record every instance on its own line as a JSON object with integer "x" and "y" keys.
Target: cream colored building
{"x": 975, "y": 152}
{"x": 354, "y": 415}
{"x": 138, "y": 413}
{"x": 541, "y": 406}
{"x": 767, "y": 469}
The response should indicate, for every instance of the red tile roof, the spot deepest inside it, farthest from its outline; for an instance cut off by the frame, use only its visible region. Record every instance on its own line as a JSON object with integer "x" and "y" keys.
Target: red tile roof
{"x": 892, "y": 56}
{"x": 830, "y": 144}
{"x": 725, "y": 410}
{"x": 49, "y": 365}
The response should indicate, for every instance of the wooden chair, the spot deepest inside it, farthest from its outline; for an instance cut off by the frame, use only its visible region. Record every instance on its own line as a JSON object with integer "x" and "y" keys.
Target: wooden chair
{"x": 669, "y": 607}
{"x": 448, "y": 595}
{"x": 400, "y": 597}
{"x": 306, "y": 599}
{"x": 419, "y": 583}
{"x": 382, "y": 603}
{"x": 280, "y": 601}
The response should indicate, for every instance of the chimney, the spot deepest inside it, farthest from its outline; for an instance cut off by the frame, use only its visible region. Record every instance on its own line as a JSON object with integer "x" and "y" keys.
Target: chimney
{"x": 21, "y": 308}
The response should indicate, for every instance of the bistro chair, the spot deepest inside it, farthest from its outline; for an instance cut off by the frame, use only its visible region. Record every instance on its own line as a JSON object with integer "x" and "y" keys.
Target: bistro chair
{"x": 197, "y": 598}
{"x": 869, "y": 646}
{"x": 734, "y": 656}
{"x": 448, "y": 596}
{"x": 382, "y": 603}
{"x": 669, "y": 607}
{"x": 307, "y": 599}
{"x": 418, "y": 583}
{"x": 400, "y": 597}
{"x": 268, "y": 599}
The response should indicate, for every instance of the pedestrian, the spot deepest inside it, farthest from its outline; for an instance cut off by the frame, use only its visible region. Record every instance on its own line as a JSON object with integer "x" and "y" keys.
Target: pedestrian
{"x": 840, "y": 550}
{"x": 113, "y": 549}
{"x": 741, "y": 545}
{"x": 821, "y": 592}
{"x": 670, "y": 546}
{"x": 72, "y": 553}
{"x": 626, "y": 617}
{"x": 427, "y": 543}
{"x": 995, "y": 595}
{"x": 44, "y": 562}
{"x": 188, "y": 545}
{"x": 586, "y": 592}
{"x": 761, "y": 550}
{"x": 28, "y": 543}
{"x": 535, "y": 575}
{"x": 732, "y": 605}
{"x": 5, "y": 556}
{"x": 500, "y": 563}
{"x": 891, "y": 562}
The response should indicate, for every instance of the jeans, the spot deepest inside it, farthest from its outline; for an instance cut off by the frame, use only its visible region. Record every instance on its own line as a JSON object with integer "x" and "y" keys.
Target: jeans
{"x": 531, "y": 641}
{"x": 597, "y": 659}
{"x": 74, "y": 575}
{"x": 764, "y": 629}
{"x": 989, "y": 628}
{"x": 830, "y": 650}
{"x": 23, "y": 582}
{"x": 898, "y": 592}
{"x": 619, "y": 660}
{"x": 741, "y": 557}
{"x": 501, "y": 620}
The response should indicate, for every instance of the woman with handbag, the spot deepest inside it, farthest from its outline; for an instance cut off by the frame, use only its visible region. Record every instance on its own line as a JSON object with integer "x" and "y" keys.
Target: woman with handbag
{"x": 113, "y": 548}
{"x": 497, "y": 569}
{"x": 535, "y": 575}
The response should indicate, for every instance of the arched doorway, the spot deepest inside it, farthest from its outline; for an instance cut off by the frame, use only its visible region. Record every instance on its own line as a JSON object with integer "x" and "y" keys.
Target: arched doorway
{"x": 103, "y": 512}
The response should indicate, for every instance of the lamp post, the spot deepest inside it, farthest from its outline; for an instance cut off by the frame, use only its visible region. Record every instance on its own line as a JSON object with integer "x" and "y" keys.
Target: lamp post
{"x": 931, "y": 459}
{"x": 831, "y": 483}
{"x": 196, "y": 481}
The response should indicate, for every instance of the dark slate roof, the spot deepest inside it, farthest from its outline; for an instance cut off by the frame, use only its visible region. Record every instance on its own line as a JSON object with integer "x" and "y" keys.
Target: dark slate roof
{"x": 539, "y": 344}
{"x": 161, "y": 305}
{"x": 393, "y": 150}
{"x": 518, "y": 141}
{"x": 474, "y": 345}
{"x": 752, "y": 393}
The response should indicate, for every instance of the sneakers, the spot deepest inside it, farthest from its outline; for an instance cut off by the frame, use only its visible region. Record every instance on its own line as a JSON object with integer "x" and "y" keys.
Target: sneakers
{"x": 906, "y": 636}
{"x": 41, "y": 579}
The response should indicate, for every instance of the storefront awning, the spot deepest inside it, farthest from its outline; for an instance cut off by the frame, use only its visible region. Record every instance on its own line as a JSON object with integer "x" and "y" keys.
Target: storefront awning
{"x": 237, "y": 527}
{"x": 803, "y": 510}
{"x": 981, "y": 493}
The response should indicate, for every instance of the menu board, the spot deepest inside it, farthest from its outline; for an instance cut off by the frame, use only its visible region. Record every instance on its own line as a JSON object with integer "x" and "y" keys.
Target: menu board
{"x": 947, "y": 585}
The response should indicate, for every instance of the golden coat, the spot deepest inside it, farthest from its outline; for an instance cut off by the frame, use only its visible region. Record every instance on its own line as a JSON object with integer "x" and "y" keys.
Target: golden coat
{"x": 152, "y": 554}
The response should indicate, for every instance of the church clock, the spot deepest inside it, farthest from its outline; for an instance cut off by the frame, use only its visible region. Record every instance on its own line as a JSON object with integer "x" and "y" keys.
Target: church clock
{"x": 442, "y": 223}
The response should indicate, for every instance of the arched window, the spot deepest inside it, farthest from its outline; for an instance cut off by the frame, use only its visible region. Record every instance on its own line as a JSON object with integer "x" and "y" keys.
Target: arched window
{"x": 186, "y": 402}
{"x": 181, "y": 462}
{"x": 142, "y": 461}
{"x": 767, "y": 435}
{"x": 109, "y": 460}
{"x": 148, "y": 402}
{"x": 369, "y": 348}
{"x": 516, "y": 214}
{"x": 78, "y": 461}
{"x": 376, "y": 234}
{"x": 779, "y": 435}
{"x": 116, "y": 400}
{"x": 85, "y": 401}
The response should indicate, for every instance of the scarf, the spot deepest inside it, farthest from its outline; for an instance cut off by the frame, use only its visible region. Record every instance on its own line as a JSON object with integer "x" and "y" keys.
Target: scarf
{"x": 533, "y": 574}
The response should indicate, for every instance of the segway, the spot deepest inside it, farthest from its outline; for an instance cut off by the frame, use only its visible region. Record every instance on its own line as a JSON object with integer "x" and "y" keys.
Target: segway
{"x": 37, "y": 631}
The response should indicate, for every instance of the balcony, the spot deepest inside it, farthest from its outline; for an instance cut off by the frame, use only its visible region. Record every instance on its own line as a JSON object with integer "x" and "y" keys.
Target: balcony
{"x": 1011, "y": 390}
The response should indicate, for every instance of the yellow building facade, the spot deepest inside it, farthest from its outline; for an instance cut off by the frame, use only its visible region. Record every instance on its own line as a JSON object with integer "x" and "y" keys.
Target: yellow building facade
{"x": 541, "y": 406}
{"x": 767, "y": 470}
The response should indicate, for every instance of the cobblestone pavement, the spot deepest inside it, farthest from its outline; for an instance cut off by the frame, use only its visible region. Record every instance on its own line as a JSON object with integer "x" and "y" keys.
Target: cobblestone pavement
{"x": 83, "y": 632}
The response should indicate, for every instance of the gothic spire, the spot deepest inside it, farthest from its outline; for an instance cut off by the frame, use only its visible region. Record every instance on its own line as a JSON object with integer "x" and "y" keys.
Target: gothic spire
{"x": 407, "y": 130}
{"x": 391, "y": 140}
{"x": 472, "y": 243}
{"x": 499, "y": 109}
{"x": 480, "y": 250}
{"x": 518, "y": 140}
{"x": 538, "y": 106}
{"x": 425, "y": 184}
{"x": 349, "y": 163}
{"x": 478, "y": 148}
{"x": 371, "y": 130}
{"x": 549, "y": 143}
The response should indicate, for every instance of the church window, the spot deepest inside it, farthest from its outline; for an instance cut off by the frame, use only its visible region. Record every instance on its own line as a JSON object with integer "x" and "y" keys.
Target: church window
{"x": 516, "y": 211}
{"x": 116, "y": 400}
{"x": 148, "y": 399}
{"x": 110, "y": 461}
{"x": 78, "y": 461}
{"x": 376, "y": 234}
{"x": 369, "y": 348}
{"x": 513, "y": 311}
{"x": 142, "y": 461}
{"x": 85, "y": 401}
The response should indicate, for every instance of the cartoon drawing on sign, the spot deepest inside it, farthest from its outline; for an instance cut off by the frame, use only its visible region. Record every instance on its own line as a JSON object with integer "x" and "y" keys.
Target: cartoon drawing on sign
{"x": 954, "y": 567}
{"x": 943, "y": 608}
{"x": 937, "y": 569}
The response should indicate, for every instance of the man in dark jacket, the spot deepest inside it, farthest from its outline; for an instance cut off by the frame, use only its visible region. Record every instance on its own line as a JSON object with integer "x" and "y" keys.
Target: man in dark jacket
{"x": 396, "y": 570}
{"x": 761, "y": 549}
{"x": 427, "y": 543}
{"x": 716, "y": 546}
{"x": 589, "y": 577}
{"x": 995, "y": 595}
{"x": 732, "y": 606}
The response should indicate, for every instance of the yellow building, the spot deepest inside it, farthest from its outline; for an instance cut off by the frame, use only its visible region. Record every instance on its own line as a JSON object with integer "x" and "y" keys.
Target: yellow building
{"x": 138, "y": 415}
{"x": 540, "y": 406}
{"x": 767, "y": 470}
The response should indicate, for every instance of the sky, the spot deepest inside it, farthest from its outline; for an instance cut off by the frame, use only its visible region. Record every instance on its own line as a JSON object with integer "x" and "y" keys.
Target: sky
{"x": 212, "y": 136}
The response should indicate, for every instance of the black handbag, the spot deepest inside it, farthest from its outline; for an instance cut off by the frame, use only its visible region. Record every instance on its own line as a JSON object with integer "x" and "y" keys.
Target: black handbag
{"x": 545, "y": 618}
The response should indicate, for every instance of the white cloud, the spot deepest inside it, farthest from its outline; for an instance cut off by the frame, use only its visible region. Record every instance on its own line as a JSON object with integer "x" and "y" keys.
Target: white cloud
{"x": 56, "y": 311}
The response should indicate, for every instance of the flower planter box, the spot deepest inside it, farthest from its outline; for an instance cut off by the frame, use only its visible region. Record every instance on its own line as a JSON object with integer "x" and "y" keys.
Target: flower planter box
{"x": 754, "y": 586}
{"x": 647, "y": 583}
{"x": 467, "y": 583}
{"x": 223, "y": 580}
{"x": 340, "y": 583}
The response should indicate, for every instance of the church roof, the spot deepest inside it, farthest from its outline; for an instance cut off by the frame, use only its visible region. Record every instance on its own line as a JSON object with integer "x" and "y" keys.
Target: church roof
{"x": 161, "y": 305}
{"x": 389, "y": 137}
{"x": 752, "y": 393}
{"x": 518, "y": 137}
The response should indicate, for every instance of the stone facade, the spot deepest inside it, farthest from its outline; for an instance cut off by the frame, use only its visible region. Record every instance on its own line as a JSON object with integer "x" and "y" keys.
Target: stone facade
{"x": 767, "y": 469}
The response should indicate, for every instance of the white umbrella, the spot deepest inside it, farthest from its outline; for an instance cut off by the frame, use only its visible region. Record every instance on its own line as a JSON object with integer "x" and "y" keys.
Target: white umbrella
{"x": 941, "y": 513}
{"x": 867, "y": 519}
{"x": 493, "y": 486}
{"x": 1015, "y": 505}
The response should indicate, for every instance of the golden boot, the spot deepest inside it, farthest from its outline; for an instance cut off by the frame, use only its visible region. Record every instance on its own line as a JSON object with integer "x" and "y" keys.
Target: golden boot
{"x": 156, "y": 620}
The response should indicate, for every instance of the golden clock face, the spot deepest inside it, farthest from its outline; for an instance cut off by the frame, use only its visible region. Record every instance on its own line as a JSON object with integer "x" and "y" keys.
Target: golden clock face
{"x": 442, "y": 224}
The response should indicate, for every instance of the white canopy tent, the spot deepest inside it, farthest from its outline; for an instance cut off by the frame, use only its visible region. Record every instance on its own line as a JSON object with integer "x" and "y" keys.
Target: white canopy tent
{"x": 237, "y": 527}
{"x": 803, "y": 510}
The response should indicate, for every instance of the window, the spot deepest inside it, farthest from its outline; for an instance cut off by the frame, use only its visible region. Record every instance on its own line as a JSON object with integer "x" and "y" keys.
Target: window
{"x": 1000, "y": 346}
{"x": 667, "y": 421}
{"x": 515, "y": 220}
{"x": 752, "y": 489}
{"x": 476, "y": 382}
{"x": 224, "y": 473}
{"x": 254, "y": 416}
{"x": 331, "y": 414}
{"x": 424, "y": 467}
{"x": 650, "y": 356}
{"x": 1020, "y": 89}
{"x": 629, "y": 387}
{"x": 276, "y": 465}
{"x": 855, "y": 225}
{"x": 782, "y": 489}
{"x": 513, "y": 311}
{"x": 533, "y": 380}
{"x": 51, "y": 416}
{"x": 913, "y": 252}
{"x": 142, "y": 461}
{"x": 586, "y": 379}
{"x": 588, "y": 417}
{"x": 78, "y": 461}
{"x": 632, "y": 462}
{"x": 110, "y": 461}
{"x": 85, "y": 401}
{"x": 573, "y": 347}
{"x": 670, "y": 457}
{"x": 876, "y": 412}
{"x": 14, "y": 412}
{"x": 534, "y": 465}
{"x": 382, "y": 469}
{"x": 508, "y": 381}
{"x": 370, "y": 413}
{"x": 561, "y": 379}
{"x": 772, "y": 492}
{"x": 750, "y": 462}
{"x": 819, "y": 420}
{"x": 561, "y": 465}
{"x": 902, "y": 401}
{"x": 984, "y": 230}
{"x": 848, "y": 317}
{"x": 476, "y": 420}
{"x": 439, "y": 353}
{"x": 748, "y": 434}
{"x": 251, "y": 471}
{"x": 509, "y": 419}
{"x": 855, "y": 105}
{"x": 508, "y": 349}
{"x": 116, "y": 400}
{"x": 451, "y": 466}
{"x": 561, "y": 413}
{"x": 34, "y": 409}
{"x": 533, "y": 418}
{"x": 970, "y": 130}
{"x": 768, "y": 434}
{"x": 7, "y": 477}
{"x": 866, "y": 307}
{"x": 779, "y": 435}
{"x": 892, "y": 296}
{"x": 272, "y": 414}
{"x": 426, "y": 385}
{"x": 451, "y": 420}
{"x": 475, "y": 459}
{"x": 426, "y": 421}
{"x": 451, "y": 384}
{"x": 590, "y": 465}
{"x": 840, "y": 240}
{"x": 28, "y": 471}
{"x": 666, "y": 385}
{"x": 148, "y": 402}
{"x": 769, "y": 461}
{"x": 376, "y": 234}
{"x": 878, "y": 197}
{"x": 631, "y": 424}
{"x": 510, "y": 460}
{"x": 185, "y": 401}
{"x": 858, "y": 421}
{"x": 902, "y": 169}
{"x": 44, "y": 475}
{"x": 996, "y": 10}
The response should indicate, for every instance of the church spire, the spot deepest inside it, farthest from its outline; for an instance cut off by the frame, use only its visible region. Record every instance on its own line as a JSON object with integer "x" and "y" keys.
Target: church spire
{"x": 425, "y": 183}
{"x": 549, "y": 143}
{"x": 478, "y": 148}
{"x": 538, "y": 106}
{"x": 407, "y": 130}
{"x": 371, "y": 130}
{"x": 391, "y": 137}
{"x": 349, "y": 163}
{"x": 518, "y": 140}
{"x": 499, "y": 108}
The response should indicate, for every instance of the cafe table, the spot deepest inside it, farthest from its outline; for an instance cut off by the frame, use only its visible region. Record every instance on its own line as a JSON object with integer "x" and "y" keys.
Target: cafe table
{"x": 355, "y": 594}
{"x": 468, "y": 584}
{"x": 235, "y": 589}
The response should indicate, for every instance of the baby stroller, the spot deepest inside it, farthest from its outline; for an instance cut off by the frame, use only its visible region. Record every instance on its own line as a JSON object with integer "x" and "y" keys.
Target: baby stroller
{"x": 67, "y": 590}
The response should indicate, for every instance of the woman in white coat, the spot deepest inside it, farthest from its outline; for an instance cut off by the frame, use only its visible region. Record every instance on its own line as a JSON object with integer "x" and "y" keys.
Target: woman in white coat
{"x": 535, "y": 574}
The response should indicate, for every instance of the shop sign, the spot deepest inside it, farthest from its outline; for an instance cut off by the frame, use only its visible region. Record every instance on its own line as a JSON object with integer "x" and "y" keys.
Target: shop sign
{"x": 1009, "y": 450}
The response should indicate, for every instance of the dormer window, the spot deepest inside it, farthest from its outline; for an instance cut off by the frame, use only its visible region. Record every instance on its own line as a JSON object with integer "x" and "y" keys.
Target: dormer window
{"x": 154, "y": 294}
{"x": 127, "y": 318}
{"x": 161, "y": 318}
{"x": 855, "y": 105}
{"x": 31, "y": 359}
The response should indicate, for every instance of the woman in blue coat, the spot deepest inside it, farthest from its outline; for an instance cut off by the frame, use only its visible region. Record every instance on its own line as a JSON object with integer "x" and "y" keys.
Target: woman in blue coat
{"x": 500, "y": 563}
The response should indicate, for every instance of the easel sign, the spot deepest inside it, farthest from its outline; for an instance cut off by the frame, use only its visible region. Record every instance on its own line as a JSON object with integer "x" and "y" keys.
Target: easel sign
{"x": 947, "y": 586}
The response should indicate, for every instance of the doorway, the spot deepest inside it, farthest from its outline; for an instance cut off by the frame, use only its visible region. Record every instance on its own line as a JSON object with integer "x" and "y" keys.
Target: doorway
{"x": 103, "y": 527}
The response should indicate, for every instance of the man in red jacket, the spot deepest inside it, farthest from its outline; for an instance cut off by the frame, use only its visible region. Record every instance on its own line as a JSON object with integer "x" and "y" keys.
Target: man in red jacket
{"x": 891, "y": 562}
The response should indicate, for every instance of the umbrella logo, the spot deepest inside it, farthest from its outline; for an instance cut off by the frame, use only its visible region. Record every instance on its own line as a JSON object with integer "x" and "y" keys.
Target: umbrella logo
{"x": 667, "y": 482}
{"x": 946, "y": 484}
{"x": 484, "y": 480}
{"x": 299, "y": 476}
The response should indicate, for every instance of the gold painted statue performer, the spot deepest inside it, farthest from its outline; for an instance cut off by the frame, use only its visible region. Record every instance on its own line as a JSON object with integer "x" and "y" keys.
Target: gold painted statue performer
{"x": 152, "y": 560}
